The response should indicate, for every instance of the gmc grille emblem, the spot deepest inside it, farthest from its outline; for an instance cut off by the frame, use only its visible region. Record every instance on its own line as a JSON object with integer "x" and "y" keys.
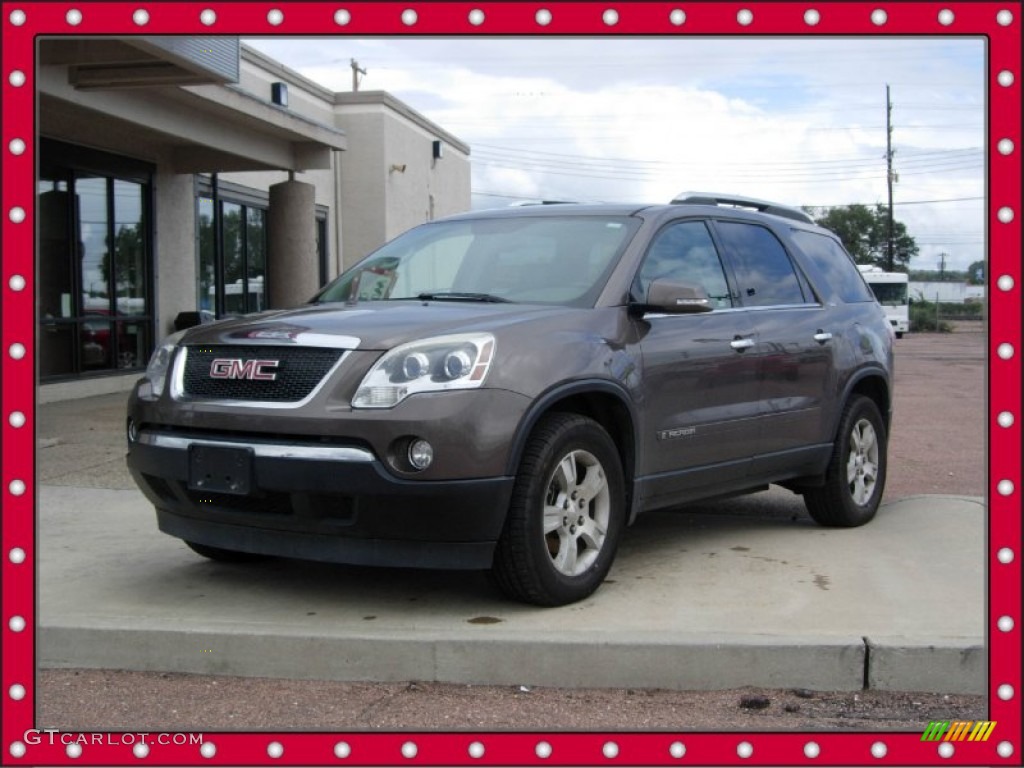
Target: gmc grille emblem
{"x": 234, "y": 368}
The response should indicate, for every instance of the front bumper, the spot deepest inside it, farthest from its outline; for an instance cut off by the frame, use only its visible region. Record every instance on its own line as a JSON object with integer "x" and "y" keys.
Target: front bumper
{"x": 318, "y": 501}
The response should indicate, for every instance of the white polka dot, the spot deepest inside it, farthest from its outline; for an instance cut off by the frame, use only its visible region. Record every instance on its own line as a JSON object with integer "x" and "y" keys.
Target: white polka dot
{"x": 543, "y": 17}
{"x": 610, "y": 17}
{"x": 16, "y": 556}
{"x": 341, "y": 18}
{"x": 1005, "y": 214}
{"x": 17, "y": 214}
{"x": 409, "y": 17}
{"x": 208, "y": 17}
{"x": 543, "y": 750}
{"x": 74, "y": 751}
{"x": 409, "y": 750}
{"x": 1005, "y": 749}
{"x": 1005, "y": 555}
{"x": 1005, "y": 419}
{"x": 275, "y": 16}
{"x": 879, "y": 17}
{"x": 16, "y": 692}
{"x": 141, "y": 750}
{"x": 610, "y": 750}
{"x": 342, "y": 750}
{"x": 745, "y": 17}
{"x": 17, "y": 749}
{"x": 1005, "y": 146}
{"x": 677, "y": 750}
{"x": 1005, "y": 78}
{"x": 745, "y": 749}
{"x": 677, "y": 18}
{"x": 1005, "y": 351}
{"x": 16, "y": 419}
{"x": 16, "y": 283}
{"x": 879, "y": 750}
{"x": 17, "y": 351}
{"x": 1005, "y": 692}
{"x": 16, "y": 78}
{"x": 1005, "y": 624}
{"x": 275, "y": 749}
{"x": 812, "y": 17}
{"x": 1004, "y": 18}
{"x": 476, "y": 750}
{"x": 141, "y": 19}
{"x": 16, "y": 487}
{"x": 1005, "y": 283}
{"x": 17, "y": 147}
{"x": 1005, "y": 487}
{"x": 73, "y": 17}
{"x": 17, "y": 624}
{"x": 476, "y": 18}
{"x": 946, "y": 750}
{"x": 946, "y": 17}
{"x": 17, "y": 17}
{"x": 208, "y": 750}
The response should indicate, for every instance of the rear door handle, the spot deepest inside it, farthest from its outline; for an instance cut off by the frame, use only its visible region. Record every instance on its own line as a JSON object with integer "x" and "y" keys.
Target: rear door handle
{"x": 822, "y": 336}
{"x": 740, "y": 344}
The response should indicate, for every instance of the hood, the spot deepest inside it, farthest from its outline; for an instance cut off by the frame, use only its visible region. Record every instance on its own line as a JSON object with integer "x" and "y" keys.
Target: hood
{"x": 368, "y": 326}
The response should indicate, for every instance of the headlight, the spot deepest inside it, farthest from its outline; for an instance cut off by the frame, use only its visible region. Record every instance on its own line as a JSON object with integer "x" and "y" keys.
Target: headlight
{"x": 431, "y": 365}
{"x": 159, "y": 363}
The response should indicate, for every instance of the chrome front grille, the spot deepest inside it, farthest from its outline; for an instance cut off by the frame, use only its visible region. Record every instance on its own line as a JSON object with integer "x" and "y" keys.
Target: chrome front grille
{"x": 296, "y": 373}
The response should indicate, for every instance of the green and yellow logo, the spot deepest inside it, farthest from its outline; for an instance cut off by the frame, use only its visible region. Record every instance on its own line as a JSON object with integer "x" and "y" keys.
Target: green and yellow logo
{"x": 958, "y": 730}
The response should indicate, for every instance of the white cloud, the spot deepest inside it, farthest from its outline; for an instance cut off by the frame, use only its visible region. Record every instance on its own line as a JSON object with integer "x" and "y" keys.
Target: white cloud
{"x": 797, "y": 120}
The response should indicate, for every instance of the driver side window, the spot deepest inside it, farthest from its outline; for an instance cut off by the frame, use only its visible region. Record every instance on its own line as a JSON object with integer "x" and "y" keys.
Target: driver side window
{"x": 684, "y": 252}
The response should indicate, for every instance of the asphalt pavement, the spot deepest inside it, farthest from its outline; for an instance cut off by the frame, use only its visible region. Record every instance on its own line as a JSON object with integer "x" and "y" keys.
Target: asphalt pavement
{"x": 745, "y": 592}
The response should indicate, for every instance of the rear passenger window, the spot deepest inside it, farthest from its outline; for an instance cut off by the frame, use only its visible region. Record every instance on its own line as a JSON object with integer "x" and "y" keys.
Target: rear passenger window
{"x": 685, "y": 253}
{"x": 835, "y": 264}
{"x": 763, "y": 270}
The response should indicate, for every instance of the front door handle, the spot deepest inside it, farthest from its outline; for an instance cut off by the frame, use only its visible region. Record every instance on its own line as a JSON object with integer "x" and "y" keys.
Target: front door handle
{"x": 741, "y": 344}
{"x": 822, "y": 336}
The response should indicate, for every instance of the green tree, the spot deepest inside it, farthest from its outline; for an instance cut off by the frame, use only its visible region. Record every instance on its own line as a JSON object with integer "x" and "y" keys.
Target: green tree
{"x": 865, "y": 233}
{"x": 976, "y": 273}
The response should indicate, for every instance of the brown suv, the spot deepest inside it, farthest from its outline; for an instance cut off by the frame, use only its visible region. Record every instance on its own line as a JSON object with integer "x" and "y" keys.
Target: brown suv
{"x": 508, "y": 389}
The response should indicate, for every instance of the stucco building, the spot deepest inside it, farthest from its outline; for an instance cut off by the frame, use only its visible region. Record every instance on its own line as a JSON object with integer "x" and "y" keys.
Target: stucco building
{"x": 188, "y": 175}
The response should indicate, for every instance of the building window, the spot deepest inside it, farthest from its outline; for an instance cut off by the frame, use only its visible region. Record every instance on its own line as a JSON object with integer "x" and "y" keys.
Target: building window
{"x": 232, "y": 249}
{"x": 95, "y": 262}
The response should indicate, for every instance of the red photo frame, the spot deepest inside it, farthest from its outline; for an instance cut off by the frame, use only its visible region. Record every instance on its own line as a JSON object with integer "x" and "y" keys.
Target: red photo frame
{"x": 998, "y": 23}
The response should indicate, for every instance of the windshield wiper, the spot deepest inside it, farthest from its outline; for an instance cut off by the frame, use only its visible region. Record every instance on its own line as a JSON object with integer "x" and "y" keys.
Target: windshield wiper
{"x": 462, "y": 296}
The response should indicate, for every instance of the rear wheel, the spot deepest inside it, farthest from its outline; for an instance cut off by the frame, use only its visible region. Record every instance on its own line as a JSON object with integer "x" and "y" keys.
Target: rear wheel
{"x": 566, "y": 514}
{"x": 855, "y": 477}
{"x": 223, "y": 555}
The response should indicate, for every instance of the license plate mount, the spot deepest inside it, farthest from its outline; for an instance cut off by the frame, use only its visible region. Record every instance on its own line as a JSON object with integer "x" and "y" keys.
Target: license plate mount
{"x": 219, "y": 469}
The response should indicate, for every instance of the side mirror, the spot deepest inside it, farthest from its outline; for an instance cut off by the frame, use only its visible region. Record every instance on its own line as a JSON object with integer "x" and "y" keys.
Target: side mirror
{"x": 676, "y": 298}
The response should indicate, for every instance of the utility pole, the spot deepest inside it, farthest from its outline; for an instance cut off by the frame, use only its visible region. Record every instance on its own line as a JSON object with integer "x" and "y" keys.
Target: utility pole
{"x": 356, "y": 72}
{"x": 890, "y": 175}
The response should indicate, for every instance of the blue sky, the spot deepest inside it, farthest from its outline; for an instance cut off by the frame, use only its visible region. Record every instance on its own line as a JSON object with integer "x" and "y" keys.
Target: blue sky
{"x": 797, "y": 120}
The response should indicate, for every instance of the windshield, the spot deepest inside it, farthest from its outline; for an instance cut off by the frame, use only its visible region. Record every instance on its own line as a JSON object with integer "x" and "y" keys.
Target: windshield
{"x": 890, "y": 294}
{"x": 561, "y": 260}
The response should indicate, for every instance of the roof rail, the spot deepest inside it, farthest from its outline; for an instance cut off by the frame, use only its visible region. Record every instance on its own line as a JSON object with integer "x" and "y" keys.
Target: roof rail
{"x": 737, "y": 201}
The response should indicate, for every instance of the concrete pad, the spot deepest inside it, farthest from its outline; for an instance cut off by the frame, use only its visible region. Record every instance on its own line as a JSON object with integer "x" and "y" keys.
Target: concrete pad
{"x": 719, "y": 596}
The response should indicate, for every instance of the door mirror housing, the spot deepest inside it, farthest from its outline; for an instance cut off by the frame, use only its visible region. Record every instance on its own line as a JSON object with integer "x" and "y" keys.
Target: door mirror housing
{"x": 675, "y": 298}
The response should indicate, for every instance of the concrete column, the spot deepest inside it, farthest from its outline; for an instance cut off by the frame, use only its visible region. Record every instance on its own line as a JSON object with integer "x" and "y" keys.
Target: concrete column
{"x": 293, "y": 274}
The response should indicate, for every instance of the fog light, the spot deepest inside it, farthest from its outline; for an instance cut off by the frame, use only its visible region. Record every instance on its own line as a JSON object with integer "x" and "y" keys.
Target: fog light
{"x": 133, "y": 432}
{"x": 421, "y": 454}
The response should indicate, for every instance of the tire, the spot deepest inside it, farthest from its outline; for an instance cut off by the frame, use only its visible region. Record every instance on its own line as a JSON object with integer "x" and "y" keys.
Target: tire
{"x": 224, "y": 555}
{"x": 899, "y": 334}
{"x": 855, "y": 478}
{"x": 566, "y": 514}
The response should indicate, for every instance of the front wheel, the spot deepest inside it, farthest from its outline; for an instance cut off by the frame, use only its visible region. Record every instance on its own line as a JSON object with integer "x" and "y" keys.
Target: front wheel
{"x": 855, "y": 477}
{"x": 566, "y": 514}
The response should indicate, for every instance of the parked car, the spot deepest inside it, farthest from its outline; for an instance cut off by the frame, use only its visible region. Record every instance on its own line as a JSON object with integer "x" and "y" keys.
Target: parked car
{"x": 509, "y": 389}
